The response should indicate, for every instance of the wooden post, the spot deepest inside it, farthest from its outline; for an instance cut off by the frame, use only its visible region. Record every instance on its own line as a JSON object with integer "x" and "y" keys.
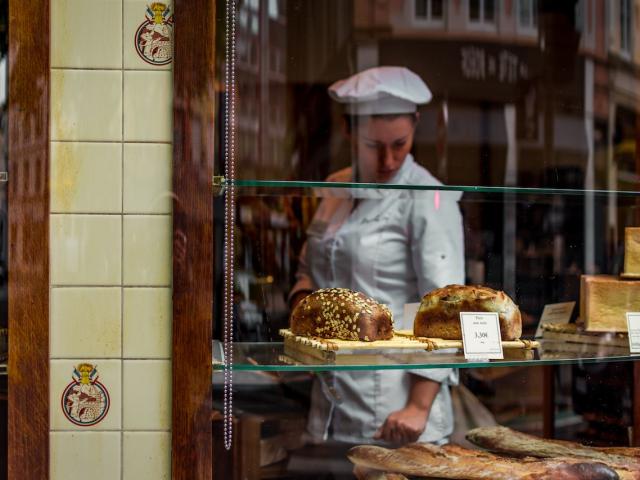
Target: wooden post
{"x": 193, "y": 150}
{"x": 28, "y": 240}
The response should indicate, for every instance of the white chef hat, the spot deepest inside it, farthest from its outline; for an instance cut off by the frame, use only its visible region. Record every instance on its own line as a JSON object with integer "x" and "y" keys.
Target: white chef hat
{"x": 381, "y": 91}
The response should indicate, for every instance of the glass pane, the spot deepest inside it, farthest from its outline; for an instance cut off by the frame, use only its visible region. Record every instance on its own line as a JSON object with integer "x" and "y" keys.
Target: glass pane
{"x": 489, "y": 10}
{"x": 421, "y": 8}
{"x": 525, "y": 12}
{"x": 474, "y": 9}
{"x": 518, "y": 174}
{"x": 625, "y": 25}
{"x": 437, "y": 9}
{"x": 278, "y": 357}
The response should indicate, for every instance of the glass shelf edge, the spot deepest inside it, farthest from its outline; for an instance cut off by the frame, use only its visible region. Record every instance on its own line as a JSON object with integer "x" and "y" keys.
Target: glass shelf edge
{"x": 492, "y": 364}
{"x": 458, "y": 362}
{"x": 284, "y": 184}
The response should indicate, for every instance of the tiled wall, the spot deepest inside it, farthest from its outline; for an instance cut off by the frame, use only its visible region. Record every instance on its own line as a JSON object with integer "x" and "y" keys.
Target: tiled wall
{"x": 110, "y": 254}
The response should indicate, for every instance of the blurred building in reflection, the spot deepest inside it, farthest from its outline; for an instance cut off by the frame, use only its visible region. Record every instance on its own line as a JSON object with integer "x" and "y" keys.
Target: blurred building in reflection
{"x": 263, "y": 124}
{"x": 527, "y": 93}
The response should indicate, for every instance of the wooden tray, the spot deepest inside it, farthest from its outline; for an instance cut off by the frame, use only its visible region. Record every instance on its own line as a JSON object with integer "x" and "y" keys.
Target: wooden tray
{"x": 630, "y": 276}
{"x": 439, "y": 343}
{"x": 304, "y": 348}
{"x": 574, "y": 333}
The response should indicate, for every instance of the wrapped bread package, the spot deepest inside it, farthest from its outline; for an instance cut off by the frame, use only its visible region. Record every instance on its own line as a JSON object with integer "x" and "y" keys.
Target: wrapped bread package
{"x": 439, "y": 312}
{"x": 632, "y": 251}
{"x": 605, "y": 301}
{"x": 343, "y": 314}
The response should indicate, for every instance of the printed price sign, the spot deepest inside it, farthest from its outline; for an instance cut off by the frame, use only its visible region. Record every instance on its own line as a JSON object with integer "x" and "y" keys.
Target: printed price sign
{"x": 633, "y": 324}
{"x": 481, "y": 336}
{"x": 555, "y": 313}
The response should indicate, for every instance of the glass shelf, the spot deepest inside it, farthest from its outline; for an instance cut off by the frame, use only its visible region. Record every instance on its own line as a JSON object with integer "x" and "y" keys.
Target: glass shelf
{"x": 3, "y": 369}
{"x": 272, "y": 357}
{"x": 287, "y": 187}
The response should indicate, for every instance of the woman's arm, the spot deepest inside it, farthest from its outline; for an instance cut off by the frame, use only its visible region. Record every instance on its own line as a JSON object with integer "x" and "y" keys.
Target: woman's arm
{"x": 406, "y": 425}
{"x": 304, "y": 285}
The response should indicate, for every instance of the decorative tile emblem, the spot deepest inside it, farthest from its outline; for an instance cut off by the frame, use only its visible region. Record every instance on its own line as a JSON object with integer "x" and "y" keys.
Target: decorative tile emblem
{"x": 85, "y": 401}
{"x": 154, "y": 36}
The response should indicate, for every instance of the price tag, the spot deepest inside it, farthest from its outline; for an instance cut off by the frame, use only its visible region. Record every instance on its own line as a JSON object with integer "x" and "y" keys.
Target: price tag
{"x": 481, "y": 336}
{"x": 633, "y": 324}
{"x": 555, "y": 313}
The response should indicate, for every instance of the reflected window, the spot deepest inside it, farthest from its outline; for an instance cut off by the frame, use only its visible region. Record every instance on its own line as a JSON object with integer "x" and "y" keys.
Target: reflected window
{"x": 482, "y": 12}
{"x": 625, "y": 25}
{"x": 273, "y": 9}
{"x": 528, "y": 14}
{"x": 429, "y": 10}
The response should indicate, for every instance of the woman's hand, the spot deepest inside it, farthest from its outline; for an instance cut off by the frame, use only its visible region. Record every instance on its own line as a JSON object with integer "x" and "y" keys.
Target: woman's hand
{"x": 406, "y": 425}
{"x": 403, "y": 426}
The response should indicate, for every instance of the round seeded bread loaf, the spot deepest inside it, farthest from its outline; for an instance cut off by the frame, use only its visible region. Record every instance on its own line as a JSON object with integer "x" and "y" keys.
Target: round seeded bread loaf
{"x": 439, "y": 312}
{"x": 342, "y": 314}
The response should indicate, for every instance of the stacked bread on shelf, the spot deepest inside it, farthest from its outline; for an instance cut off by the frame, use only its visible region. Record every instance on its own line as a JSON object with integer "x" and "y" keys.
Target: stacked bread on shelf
{"x": 339, "y": 313}
{"x": 514, "y": 456}
{"x": 605, "y": 300}
{"x": 337, "y": 324}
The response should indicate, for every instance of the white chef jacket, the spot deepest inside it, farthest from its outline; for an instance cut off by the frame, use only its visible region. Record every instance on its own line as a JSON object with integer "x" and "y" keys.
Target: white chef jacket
{"x": 395, "y": 246}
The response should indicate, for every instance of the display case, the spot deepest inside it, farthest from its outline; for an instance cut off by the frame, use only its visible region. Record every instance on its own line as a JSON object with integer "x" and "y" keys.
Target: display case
{"x": 517, "y": 179}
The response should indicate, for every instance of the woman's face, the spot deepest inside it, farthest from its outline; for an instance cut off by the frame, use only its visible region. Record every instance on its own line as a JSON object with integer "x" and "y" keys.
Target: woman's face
{"x": 381, "y": 146}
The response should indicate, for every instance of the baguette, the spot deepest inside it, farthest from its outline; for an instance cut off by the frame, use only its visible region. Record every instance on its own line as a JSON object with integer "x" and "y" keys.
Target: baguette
{"x": 363, "y": 473}
{"x": 439, "y": 312}
{"x": 453, "y": 462}
{"x": 510, "y": 442}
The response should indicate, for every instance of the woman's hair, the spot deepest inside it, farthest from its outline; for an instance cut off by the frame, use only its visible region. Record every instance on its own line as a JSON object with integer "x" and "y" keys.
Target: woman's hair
{"x": 352, "y": 121}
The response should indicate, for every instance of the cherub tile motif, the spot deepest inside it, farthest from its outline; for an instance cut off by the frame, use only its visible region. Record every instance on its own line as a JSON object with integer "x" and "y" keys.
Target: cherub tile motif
{"x": 153, "y": 36}
{"x": 85, "y": 401}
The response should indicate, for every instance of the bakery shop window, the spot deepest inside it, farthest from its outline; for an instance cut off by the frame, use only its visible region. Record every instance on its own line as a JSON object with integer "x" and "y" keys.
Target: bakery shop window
{"x": 384, "y": 167}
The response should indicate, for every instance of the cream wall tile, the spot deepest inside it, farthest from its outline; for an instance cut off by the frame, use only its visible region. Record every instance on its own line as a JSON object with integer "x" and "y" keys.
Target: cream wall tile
{"x": 147, "y": 250}
{"x": 148, "y": 106}
{"x": 79, "y": 455}
{"x": 86, "y": 105}
{"x": 146, "y": 390}
{"x": 109, "y": 376}
{"x": 147, "y": 323}
{"x": 85, "y": 249}
{"x": 86, "y": 322}
{"x": 86, "y": 177}
{"x": 85, "y": 34}
{"x": 147, "y": 178}
{"x": 138, "y": 53}
{"x": 146, "y": 456}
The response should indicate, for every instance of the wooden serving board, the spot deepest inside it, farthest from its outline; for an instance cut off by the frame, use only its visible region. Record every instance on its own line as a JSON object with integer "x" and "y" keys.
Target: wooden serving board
{"x": 306, "y": 348}
{"x": 439, "y": 343}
